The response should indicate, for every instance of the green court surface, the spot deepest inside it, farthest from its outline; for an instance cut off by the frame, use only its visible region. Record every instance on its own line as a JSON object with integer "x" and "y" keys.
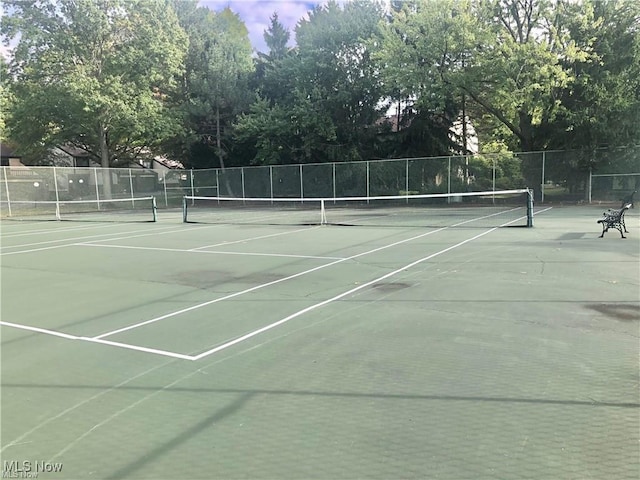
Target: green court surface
{"x": 170, "y": 351}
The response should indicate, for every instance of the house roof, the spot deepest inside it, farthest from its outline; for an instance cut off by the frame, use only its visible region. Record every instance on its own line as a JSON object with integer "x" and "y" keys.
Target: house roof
{"x": 167, "y": 162}
{"x": 7, "y": 151}
{"x": 74, "y": 151}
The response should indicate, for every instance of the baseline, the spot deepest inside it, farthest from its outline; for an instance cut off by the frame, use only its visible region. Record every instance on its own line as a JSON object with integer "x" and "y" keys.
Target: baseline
{"x": 68, "y": 336}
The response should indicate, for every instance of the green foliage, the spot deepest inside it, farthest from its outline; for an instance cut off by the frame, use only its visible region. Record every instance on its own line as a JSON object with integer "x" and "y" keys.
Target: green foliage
{"x": 95, "y": 74}
{"x": 216, "y": 80}
{"x": 323, "y": 97}
{"x": 5, "y": 99}
{"x": 603, "y": 105}
{"x": 118, "y": 77}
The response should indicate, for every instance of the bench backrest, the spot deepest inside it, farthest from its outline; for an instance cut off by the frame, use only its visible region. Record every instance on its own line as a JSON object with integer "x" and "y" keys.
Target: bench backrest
{"x": 618, "y": 214}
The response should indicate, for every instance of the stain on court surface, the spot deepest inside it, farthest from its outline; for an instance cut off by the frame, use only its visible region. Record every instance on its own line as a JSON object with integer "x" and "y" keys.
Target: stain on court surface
{"x": 212, "y": 278}
{"x": 390, "y": 286}
{"x": 618, "y": 311}
{"x": 571, "y": 236}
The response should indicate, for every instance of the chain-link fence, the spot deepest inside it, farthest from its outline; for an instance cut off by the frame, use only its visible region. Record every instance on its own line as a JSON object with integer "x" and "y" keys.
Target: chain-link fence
{"x": 606, "y": 175}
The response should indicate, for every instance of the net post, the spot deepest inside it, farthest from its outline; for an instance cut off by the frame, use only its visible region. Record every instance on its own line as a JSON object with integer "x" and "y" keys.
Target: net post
{"x": 529, "y": 208}
{"x": 154, "y": 209}
{"x": 184, "y": 209}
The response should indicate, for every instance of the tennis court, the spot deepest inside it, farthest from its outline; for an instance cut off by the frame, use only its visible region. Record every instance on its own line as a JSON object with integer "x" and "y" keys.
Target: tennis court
{"x": 170, "y": 350}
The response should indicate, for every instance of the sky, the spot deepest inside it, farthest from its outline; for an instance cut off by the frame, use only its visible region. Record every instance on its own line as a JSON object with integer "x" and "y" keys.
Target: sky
{"x": 256, "y": 15}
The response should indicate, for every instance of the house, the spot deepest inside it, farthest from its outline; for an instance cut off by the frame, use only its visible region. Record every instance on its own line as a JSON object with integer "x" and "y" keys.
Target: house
{"x": 145, "y": 174}
{"x": 8, "y": 157}
{"x": 70, "y": 156}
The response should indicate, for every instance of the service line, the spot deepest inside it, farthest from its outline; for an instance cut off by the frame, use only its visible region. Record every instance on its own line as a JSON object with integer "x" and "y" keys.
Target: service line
{"x": 258, "y": 287}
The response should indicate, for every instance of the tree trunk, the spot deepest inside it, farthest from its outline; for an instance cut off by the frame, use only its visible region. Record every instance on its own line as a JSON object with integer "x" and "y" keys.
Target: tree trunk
{"x": 221, "y": 153}
{"x": 104, "y": 162}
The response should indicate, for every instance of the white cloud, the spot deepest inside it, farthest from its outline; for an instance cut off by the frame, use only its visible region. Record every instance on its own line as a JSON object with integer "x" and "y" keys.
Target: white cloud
{"x": 256, "y": 15}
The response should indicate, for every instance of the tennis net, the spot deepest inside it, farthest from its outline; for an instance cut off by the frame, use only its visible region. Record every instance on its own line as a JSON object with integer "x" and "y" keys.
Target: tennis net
{"x": 469, "y": 209}
{"x": 141, "y": 209}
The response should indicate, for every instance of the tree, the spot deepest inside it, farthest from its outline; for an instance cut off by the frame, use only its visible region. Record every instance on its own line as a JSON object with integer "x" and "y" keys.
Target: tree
{"x": 270, "y": 79}
{"x": 5, "y": 100}
{"x": 603, "y": 104}
{"x": 510, "y": 58}
{"x": 216, "y": 80}
{"x": 322, "y": 97}
{"x": 97, "y": 74}
{"x": 336, "y": 73}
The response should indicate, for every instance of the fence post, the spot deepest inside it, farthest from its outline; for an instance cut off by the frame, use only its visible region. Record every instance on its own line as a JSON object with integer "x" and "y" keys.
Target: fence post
{"x": 164, "y": 181}
{"x": 334, "y": 179}
{"x": 55, "y": 185}
{"x": 301, "y": 183}
{"x": 271, "y": 182}
{"x": 493, "y": 180}
{"x": 133, "y": 203}
{"x": 6, "y": 186}
{"x": 95, "y": 175}
{"x": 218, "y": 185}
{"x": 406, "y": 178}
{"x": 242, "y": 179}
{"x": 367, "y": 181}
{"x": 543, "y": 180}
{"x": 449, "y": 179}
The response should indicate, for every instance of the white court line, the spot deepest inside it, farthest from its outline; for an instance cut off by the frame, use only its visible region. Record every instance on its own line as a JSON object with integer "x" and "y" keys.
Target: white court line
{"x": 98, "y": 339}
{"x": 140, "y": 349}
{"x": 344, "y": 294}
{"x": 258, "y": 287}
{"x": 337, "y": 297}
{"x": 54, "y": 230}
{"x": 217, "y": 252}
{"x": 256, "y": 238}
{"x": 93, "y": 340}
{"x": 73, "y": 240}
{"x": 40, "y": 330}
{"x": 36, "y": 249}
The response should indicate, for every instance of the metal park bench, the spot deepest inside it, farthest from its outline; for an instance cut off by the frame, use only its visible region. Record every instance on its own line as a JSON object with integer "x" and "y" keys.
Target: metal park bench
{"x": 614, "y": 219}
